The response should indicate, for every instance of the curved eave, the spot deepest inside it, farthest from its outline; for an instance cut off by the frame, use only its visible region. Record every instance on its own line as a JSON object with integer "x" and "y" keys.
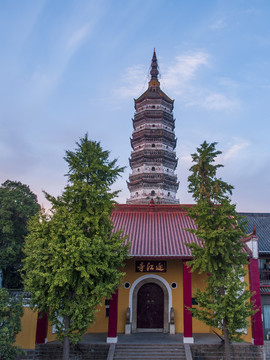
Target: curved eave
{"x": 160, "y": 93}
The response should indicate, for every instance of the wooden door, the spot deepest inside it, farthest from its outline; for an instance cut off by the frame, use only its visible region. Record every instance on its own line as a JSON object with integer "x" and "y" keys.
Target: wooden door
{"x": 150, "y": 307}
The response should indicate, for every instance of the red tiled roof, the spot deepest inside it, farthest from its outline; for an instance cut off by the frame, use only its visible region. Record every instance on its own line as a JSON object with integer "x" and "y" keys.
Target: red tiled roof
{"x": 155, "y": 230}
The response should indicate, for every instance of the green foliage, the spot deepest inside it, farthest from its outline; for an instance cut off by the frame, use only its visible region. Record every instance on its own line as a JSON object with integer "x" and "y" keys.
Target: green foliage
{"x": 73, "y": 256}
{"x": 17, "y": 205}
{"x": 224, "y": 303}
{"x": 11, "y": 310}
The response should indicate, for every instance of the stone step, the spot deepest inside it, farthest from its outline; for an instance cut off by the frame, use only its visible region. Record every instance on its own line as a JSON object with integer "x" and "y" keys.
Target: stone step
{"x": 149, "y": 352}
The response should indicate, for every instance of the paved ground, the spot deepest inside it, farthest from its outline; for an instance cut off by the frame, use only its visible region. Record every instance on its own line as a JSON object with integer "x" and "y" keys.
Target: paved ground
{"x": 151, "y": 338}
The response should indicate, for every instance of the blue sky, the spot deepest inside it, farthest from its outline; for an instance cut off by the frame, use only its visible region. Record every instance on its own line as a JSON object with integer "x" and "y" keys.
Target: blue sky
{"x": 70, "y": 67}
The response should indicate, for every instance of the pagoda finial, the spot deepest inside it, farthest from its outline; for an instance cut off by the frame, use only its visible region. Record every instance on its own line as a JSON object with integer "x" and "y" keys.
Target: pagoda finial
{"x": 154, "y": 71}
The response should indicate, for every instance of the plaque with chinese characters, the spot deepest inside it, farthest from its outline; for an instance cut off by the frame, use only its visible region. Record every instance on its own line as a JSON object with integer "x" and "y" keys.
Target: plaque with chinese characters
{"x": 150, "y": 266}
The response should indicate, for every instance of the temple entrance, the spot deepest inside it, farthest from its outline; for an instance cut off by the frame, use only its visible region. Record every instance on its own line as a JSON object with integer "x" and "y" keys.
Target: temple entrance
{"x": 150, "y": 307}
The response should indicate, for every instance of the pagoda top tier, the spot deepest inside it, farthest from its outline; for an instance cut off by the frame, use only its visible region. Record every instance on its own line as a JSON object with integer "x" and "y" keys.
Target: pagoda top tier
{"x": 154, "y": 91}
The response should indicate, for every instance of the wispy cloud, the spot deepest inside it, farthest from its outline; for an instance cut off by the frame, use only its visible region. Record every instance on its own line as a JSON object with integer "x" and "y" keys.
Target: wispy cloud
{"x": 235, "y": 149}
{"x": 228, "y": 83}
{"x": 181, "y": 78}
{"x": 77, "y": 37}
{"x": 184, "y": 69}
{"x": 218, "y": 24}
{"x": 132, "y": 82}
{"x": 175, "y": 78}
{"x": 46, "y": 77}
{"x": 217, "y": 101}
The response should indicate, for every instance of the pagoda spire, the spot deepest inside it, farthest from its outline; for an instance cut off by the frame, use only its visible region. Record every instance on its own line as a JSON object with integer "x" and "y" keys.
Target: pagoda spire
{"x": 154, "y": 71}
{"x": 153, "y": 158}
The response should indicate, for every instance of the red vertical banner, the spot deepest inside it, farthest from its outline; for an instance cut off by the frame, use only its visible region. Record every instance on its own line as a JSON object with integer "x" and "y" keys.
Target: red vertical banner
{"x": 113, "y": 314}
{"x": 256, "y": 319}
{"x": 187, "y": 297}
{"x": 42, "y": 328}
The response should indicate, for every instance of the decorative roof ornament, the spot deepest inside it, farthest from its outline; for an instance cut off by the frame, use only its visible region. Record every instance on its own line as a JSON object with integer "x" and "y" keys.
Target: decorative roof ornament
{"x": 154, "y": 71}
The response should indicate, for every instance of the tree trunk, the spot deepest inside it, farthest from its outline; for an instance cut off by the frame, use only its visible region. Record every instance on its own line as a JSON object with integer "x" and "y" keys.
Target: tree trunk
{"x": 66, "y": 345}
{"x": 226, "y": 341}
{"x": 225, "y": 332}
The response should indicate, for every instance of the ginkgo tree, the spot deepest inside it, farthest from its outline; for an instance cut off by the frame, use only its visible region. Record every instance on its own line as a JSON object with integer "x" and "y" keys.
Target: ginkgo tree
{"x": 73, "y": 256}
{"x": 225, "y": 302}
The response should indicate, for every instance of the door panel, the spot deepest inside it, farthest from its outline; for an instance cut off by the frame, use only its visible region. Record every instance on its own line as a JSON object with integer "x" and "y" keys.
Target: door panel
{"x": 150, "y": 307}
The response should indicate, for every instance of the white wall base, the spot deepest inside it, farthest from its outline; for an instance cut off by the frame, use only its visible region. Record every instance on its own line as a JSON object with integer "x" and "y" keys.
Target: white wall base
{"x": 128, "y": 329}
{"x": 112, "y": 340}
{"x": 172, "y": 329}
{"x": 252, "y": 341}
{"x": 188, "y": 340}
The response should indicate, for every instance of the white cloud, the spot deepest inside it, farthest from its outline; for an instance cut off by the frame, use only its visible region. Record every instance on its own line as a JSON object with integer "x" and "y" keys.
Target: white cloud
{"x": 218, "y": 24}
{"x": 217, "y": 101}
{"x": 181, "y": 80}
{"x": 184, "y": 69}
{"x": 210, "y": 101}
{"x": 186, "y": 159}
{"x": 176, "y": 78}
{"x": 132, "y": 80}
{"x": 235, "y": 149}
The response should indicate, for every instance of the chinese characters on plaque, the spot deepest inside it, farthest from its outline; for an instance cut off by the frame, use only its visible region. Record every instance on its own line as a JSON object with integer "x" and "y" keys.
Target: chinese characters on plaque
{"x": 150, "y": 266}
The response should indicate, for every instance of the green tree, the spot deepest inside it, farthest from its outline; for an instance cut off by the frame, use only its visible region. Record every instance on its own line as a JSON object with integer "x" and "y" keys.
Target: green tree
{"x": 17, "y": 205}
{"x": 73, "y": 256}
{"x": 11, "y": 310}
{"x": 224, "y": 304}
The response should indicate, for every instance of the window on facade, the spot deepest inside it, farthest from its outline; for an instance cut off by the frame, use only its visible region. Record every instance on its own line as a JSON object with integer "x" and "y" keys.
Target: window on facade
{"x": 194, "y": 301}
{"x": 153, "y": 125}
{"x": 153, "y": 168}
{"x": 169, "y": 194}
{"x": 137, "y": 194}
{"x": 153, "y": 145}
{"x": 153, "y": 107}
{"x": 264, "y": 269}
{"x": 107, "y": 307}
{"x": 153, "y": 193}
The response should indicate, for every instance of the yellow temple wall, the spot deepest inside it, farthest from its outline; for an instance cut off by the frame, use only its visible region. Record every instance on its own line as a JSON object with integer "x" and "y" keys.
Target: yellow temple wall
{"x": 27, "y": 337}
{"x": 174, "y": 273}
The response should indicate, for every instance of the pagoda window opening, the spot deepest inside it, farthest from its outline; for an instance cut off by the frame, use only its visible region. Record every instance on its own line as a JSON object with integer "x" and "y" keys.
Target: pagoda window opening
{"x": 153, "y": 145}
{"x": 153, "y": 193}
{"x": 169, "y": 194}
{"x": 153, "y": 168}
